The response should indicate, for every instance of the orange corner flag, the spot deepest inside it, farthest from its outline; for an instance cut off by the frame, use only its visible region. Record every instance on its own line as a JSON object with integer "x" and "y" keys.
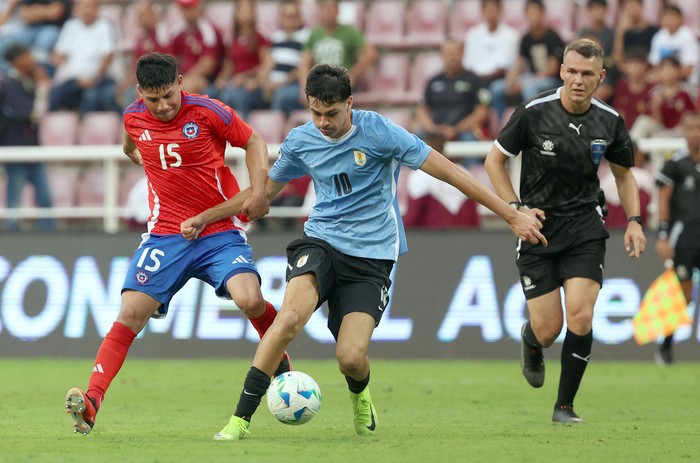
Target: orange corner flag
{"x": 662, "y": 311}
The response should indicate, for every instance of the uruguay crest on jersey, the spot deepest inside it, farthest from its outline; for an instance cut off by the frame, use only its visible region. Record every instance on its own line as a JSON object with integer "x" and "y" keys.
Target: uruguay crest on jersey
{"x": 360, "y": 158}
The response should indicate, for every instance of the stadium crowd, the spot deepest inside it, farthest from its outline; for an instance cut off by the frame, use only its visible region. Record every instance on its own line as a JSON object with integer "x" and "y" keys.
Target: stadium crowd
{"x": 448, "y": 70}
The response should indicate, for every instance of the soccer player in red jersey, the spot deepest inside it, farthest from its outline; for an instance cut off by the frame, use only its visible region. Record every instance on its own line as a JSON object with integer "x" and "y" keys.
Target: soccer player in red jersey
{"x": 180, "y": 139}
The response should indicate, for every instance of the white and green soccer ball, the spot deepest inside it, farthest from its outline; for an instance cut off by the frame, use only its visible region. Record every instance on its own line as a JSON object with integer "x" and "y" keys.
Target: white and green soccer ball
{"x": 294, "y": 397}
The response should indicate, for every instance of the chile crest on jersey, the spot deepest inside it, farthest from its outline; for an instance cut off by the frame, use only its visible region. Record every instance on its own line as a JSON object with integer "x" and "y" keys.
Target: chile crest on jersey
{"x": 190, "y": 130}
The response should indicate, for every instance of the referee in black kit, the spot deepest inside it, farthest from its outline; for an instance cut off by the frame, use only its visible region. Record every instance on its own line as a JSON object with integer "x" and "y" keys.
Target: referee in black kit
{"x": 563, "y": 134}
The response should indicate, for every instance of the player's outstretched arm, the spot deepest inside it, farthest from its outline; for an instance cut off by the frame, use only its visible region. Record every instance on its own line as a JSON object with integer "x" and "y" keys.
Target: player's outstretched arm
{"x": 635, "y": 241}
{"x": 523, "y": 226}
{"x": 192, "y": 227}
{"x": 257, "y": 160}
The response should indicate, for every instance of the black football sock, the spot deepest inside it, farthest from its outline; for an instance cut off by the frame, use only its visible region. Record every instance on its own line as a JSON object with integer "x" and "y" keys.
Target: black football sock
{"x": 254, "y": 388}
{"x": 668, "y": 342}
{"x": 574, "y": 359}
{"x": 530, "y": 338}
{"x": 357, "y": 386}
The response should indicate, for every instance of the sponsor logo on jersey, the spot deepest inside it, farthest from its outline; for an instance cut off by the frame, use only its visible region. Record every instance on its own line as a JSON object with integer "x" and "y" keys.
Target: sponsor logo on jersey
{"x": 302, "y": 260}
{"x": 548, "y": 148}
{"x": 527, "y": 283}
{"x": 360, "y": 158}
{"x": 141, "y": 277}
{"x": 145, "y": 136}
{"x": 190, "y": 130}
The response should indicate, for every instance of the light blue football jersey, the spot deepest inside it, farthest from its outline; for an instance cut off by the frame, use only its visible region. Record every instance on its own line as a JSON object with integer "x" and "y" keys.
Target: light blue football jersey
{"x": 355, "y": 179}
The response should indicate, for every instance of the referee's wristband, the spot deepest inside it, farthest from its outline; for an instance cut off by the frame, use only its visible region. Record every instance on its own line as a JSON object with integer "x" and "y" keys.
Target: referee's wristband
{"x": 635, "y": 218}
{"x": 515, "y": 205}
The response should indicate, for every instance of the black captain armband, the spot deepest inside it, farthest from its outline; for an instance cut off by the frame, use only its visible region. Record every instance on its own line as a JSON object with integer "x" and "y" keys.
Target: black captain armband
{"x": 662, "y": 233}
{"x": 635, "y": 218}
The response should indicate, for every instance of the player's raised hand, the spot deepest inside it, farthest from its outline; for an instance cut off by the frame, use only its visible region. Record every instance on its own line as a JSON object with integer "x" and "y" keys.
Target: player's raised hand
{"x": 526, "y": 226}
{"x": 192, "y": 227}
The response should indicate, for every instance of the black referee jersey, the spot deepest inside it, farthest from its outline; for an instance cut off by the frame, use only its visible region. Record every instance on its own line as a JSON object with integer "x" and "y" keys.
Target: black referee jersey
{"x": 559, "y": 174}
{"x": 682, "y": 174}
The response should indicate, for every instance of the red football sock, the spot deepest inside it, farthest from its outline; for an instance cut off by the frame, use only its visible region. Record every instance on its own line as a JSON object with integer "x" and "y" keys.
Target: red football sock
{"x": 262, "y": 323}
{"x": 109, "y": 360}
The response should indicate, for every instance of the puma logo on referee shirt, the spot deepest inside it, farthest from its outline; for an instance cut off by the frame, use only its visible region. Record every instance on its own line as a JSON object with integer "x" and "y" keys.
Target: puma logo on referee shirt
{"x": 577, "y": 129}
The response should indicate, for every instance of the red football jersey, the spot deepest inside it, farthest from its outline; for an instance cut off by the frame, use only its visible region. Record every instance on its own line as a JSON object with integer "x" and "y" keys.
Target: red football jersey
{"x": 184, "y": 159}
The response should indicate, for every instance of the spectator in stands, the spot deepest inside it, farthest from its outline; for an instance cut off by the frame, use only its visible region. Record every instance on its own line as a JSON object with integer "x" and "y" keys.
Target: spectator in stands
{"x": 667, "y": 103}
{"x": 238, "y": 83}
{"x": 597, "y": 13}
{"x": 632, "y": 29}
{"x": 198, "y": 47}
{"x": 338, "y": 45}
{"x": 675, "y": 39}
{"x": 632, "y": 89}
{"x": 537, "y": 67}
{"x": 83, "y": 56}
{"x": 491, "y": 47}
{"x": 152, "y": 36}
{"x": 19, "y": 127}
{"x": 279, "y": 72}
{"x": 11, "y": 26}
{"x": 456, "y": 102}
{"x": 43, "y": 20}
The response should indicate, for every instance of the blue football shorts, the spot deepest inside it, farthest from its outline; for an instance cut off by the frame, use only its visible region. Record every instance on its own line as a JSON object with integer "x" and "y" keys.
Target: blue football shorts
{"x": 162, "y": 264}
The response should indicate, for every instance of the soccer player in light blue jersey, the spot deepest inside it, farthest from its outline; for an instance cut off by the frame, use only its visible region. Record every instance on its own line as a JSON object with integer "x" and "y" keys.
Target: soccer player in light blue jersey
{"x": 352, "y": 238}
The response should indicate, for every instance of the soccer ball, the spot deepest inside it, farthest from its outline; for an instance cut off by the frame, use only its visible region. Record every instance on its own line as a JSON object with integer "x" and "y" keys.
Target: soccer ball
{"x": 294, "y": 397}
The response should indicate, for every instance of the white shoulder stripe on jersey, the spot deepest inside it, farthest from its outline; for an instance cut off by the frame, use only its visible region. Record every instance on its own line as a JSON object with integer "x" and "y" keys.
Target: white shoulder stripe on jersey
{"x": 503, "y": 150}
{"x": 602, "y": 105}
{"x": 554, "y": 96}
{"x": 668, "y": 181}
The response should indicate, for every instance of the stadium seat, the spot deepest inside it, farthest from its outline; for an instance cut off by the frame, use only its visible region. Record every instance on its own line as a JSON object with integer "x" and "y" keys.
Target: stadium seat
{"x": 424, "y": 67}
{"x": 514, "y": 14}
{"x": 296, "y": 118}
{"x": 220, "y": 13}
{"x": 270, "y": 124}
{"x": 465, "y": 14}
{"x": 560, "y": 17}
{"x": 267, "y": 15}
{"x": 652, "y": 9}
{"x": 387, "y": 82}
{"x": 130, "y": 176}
{"x": 352, "y": 13}
{"x": 90, "y": 189}
{"x": 384, "y": 26}
{"x": 401, "y": 116}
{"x": 426, "y": 23}
{"x": 58, "y": 128}
{"x": 100, "y": 128}
{"x": 63, "y": 182}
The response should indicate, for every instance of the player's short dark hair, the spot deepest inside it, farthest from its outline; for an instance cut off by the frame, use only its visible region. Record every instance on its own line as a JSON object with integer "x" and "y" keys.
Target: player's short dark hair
{"x": 156, "y": 71}
{"x": 586, "y": 48}
{"x": 329, "y": 84}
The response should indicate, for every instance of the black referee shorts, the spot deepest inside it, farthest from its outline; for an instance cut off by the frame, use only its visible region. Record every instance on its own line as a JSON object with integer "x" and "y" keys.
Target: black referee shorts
{"x": 687, "y": 252}
{"x": 347, "y": 283}
{"x": 576, "y": 249}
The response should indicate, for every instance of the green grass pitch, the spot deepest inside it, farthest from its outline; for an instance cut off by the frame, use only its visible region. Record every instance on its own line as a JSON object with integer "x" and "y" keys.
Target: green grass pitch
{"x": 429, "y": 411}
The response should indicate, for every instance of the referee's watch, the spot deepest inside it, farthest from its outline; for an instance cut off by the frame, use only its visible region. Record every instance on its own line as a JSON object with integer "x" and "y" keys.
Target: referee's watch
{"x": 515, "y": 205}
